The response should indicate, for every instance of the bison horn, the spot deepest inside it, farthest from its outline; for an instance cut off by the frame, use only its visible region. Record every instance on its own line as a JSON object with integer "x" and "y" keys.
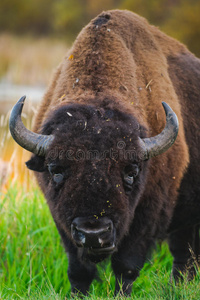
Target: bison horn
{"x": 33, "y": 142}
{"x": 158, "y": 144}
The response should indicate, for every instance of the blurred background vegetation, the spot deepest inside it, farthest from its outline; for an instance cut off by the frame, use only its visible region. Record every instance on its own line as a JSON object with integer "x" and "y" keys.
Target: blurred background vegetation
{"x": 65, "y": 18}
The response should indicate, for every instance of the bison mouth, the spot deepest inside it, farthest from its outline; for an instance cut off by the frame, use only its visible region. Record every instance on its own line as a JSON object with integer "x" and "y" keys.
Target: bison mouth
{"x": 104, "y": 250}
{"x": 96, "y": 255}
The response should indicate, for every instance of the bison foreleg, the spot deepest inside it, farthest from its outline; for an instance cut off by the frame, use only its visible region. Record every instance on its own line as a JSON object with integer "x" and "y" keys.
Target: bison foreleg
{"x": 183, "y": 246}
{"x": 126, "y": 267}
{"x": 80, "y": 274}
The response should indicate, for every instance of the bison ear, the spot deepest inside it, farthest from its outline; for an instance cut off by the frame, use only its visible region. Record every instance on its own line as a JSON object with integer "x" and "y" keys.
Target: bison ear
{"x": 36, "y": 163}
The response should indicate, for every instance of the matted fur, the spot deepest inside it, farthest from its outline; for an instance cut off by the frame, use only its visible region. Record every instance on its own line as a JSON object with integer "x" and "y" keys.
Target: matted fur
{"x": 116, "y": 75}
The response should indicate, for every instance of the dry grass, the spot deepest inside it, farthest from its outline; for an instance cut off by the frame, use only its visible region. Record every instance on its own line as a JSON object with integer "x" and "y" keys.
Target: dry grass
{"x": 29, "y": 61}
{"x": 12, "y": 158}
{"x": 24, "y": 61}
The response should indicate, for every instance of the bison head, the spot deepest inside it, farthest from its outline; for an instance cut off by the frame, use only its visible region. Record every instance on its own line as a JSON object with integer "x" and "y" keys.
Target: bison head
{"x": 91, "y": 164}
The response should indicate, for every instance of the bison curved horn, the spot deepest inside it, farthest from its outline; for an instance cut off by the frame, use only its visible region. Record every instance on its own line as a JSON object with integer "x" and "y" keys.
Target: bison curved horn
{"x": 158, "y": 144}
{"x": 33, "y": 142}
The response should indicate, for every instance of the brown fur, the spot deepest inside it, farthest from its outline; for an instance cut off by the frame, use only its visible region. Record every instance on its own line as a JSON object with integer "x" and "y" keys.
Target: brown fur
{"x": 107, "y": 60}
{"x": 120, "y": 57}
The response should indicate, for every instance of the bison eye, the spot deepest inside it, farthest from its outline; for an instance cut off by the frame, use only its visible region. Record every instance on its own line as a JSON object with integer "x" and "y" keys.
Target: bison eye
{"x": 129, "y": 178}
{"x": 57, "y": 173}
{"x": 129, "y": 175}
{"x": 58, "y": 178}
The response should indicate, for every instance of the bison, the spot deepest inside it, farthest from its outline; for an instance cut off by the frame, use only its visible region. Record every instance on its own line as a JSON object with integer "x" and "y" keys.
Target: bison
{"x": 105, "y": 152}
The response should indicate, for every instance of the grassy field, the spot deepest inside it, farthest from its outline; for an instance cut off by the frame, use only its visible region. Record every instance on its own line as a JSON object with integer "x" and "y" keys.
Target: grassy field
{"x": 33, "y": 263}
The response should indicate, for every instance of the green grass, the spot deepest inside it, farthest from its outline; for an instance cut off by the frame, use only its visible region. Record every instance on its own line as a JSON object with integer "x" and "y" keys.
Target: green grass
{"x": 33, "y": 263}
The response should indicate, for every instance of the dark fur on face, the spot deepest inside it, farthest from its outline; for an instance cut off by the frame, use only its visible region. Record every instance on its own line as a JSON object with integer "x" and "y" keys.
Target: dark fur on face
{"x": 83, "y": 171}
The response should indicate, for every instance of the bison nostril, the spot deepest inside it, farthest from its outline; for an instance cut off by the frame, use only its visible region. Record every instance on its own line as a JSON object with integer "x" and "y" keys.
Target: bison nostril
{"x": 101, "y": 243}
{"x": 110, "y": 227}
{"x": 77, "y": 235}
{"x": 81, "y": 237}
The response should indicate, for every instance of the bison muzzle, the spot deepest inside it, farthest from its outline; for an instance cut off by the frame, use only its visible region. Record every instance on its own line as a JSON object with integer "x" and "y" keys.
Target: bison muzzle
{"x": 96, "y": 235}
